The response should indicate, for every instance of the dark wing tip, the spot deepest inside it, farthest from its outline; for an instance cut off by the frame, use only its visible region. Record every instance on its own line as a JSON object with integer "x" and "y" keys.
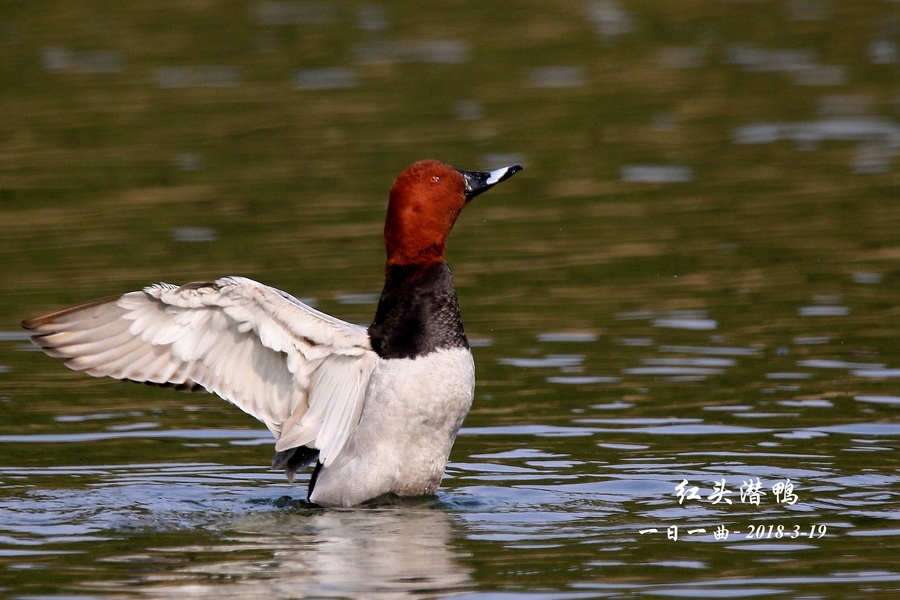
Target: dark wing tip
{"x": 36, "y": 322}
{"x": 186, "y": 386}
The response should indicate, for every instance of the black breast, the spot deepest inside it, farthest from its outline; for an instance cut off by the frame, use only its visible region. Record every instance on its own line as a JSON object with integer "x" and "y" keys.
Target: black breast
{"x": 418, "y": 313}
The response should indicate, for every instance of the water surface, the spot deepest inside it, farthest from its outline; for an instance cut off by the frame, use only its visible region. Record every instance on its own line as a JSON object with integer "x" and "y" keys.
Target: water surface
{"x": 683, "y": 312}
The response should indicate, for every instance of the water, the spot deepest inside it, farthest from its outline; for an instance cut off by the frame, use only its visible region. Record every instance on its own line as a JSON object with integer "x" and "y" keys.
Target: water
{"x": 568, "y": 498}
{"x": 683, "y": 312}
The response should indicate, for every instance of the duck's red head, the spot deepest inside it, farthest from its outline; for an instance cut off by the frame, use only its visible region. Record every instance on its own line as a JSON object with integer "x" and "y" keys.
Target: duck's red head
{"x": 426, "y": 199}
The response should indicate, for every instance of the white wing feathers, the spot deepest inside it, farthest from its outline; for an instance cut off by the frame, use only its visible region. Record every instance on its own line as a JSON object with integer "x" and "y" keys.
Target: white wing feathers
{"x": 301, "y": 372}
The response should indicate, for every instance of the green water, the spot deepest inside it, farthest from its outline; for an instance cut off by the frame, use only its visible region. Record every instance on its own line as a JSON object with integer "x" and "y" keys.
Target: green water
{"x": 695, "y": 278}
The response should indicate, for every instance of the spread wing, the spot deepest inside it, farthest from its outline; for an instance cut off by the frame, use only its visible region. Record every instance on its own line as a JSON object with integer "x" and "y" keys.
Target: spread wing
{"x": 301, "y": 372}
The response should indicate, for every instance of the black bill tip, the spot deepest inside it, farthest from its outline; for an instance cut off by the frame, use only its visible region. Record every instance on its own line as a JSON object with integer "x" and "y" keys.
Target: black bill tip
{"x": 481, "y": 181}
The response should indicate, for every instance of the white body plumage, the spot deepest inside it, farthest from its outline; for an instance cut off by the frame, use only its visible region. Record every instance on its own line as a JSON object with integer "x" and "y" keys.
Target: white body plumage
{"x": 401, "y": 445}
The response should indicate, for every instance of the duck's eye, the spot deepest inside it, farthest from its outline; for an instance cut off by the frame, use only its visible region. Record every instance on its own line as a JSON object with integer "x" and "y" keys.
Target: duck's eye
{"x": 435, "y": 178}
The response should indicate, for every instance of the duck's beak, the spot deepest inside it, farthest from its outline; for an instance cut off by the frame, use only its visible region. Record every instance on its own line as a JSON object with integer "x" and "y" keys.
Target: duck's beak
{"x": 481, "y": 181}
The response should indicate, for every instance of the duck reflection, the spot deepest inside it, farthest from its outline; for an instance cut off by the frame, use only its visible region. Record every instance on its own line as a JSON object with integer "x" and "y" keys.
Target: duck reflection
{"x": 389, "y": 552}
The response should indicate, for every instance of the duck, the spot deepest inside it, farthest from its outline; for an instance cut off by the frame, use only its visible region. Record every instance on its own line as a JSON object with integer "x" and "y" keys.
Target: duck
{"x": 376, "y": 408}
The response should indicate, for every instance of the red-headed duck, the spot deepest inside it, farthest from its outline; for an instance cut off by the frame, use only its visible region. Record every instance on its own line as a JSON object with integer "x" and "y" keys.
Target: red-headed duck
{"x": 376, "y": 409}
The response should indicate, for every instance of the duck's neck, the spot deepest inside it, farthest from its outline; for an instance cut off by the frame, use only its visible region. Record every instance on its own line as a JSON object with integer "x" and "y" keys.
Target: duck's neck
{"x": 418, "y": 312}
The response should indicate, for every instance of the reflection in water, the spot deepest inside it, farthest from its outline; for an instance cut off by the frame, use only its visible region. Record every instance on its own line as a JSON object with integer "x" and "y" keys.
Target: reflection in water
{"x": 397, "y": 552}
{"x": 695, "y": 281}
{"x": 587, "y": 488}
{"x": 246, "y": 544}
{"x": 579, "y": 499}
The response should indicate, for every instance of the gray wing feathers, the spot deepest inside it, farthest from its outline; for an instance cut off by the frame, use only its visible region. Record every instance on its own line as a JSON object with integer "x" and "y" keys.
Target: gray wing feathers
{"x": 331, "y": 422}
{"x": 302, "y": 372}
